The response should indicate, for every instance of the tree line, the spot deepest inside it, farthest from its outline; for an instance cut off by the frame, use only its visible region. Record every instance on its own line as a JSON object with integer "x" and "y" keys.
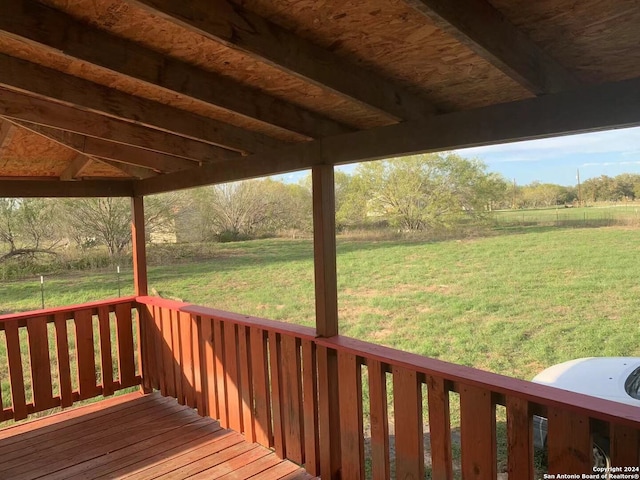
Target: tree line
{"x": 421, "y": 193}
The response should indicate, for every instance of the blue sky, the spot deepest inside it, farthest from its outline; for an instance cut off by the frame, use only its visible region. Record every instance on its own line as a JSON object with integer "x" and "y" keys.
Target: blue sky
{"x": 554, "y": 160}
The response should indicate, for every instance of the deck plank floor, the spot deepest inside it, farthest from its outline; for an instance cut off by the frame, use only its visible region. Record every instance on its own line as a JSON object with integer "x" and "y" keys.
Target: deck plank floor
{"x": 138, "y": 437}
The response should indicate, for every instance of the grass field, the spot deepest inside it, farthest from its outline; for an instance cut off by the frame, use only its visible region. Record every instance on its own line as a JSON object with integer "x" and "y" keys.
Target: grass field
{"x": 593, "y": 216}
{"x": 513, "y": 304}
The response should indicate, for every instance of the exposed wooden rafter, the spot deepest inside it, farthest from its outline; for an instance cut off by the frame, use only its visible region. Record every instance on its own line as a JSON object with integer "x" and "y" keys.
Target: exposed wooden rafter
{"x": 75, "y": 167}
{"x": 7, "y": 131}
{"x": 75, "y": 142}
{"x": 240, "y": 29}
{"x": 104, "y": 149}
{"x": 21, "y": 107}
{"x": 19, "y": 75}
{"x": 60, "y": 33}
{"x": 614, "y": 105}
{"x": 482, "y": 28}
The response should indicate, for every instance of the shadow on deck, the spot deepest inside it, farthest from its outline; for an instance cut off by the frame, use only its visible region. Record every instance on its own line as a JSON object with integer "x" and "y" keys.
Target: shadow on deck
{"x": 135, "y": 436}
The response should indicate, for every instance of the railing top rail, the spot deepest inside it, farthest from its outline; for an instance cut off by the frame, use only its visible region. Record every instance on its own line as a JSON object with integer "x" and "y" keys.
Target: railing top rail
{"x": 66, "y": 309}
{"x": 299, "y": 331}
{"x": 533, "y": 392}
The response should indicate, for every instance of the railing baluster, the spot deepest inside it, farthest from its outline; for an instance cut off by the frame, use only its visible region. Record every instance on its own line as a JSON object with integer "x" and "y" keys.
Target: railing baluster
{"x": 292, "y": 398}
{"x": 16, "y": 375}
{"x": 232, "y": 373}
{"x": 350, "y": 401}
{"x": 105, "y": 350}
{"x": 209, "y": 374}
{"x": 569, "y": 442}
{"x": 262, "y": 398}
{"x": 176, "y": 352}
{"x": 275, "y": 359}
{"x": 379, "y": 420}
{"x": 407, "y": 405}
{"x": 62, "y": 354}
{"x": 198, "y": 366}
{"x": 40, "y": 363}
{"x": 85, "y": 354}
{"x": 186, "y": 350}
{"x": 310, "y": 407}
{"x": 519, "y": 438}
{"x": 158, "y": 347}
{"x": 625, "y": 446}
{"x": 126, "y": 359}
{"x": 478, "y": 433}
{"x": 219, "y": 355}
{"x": 246, "y": 381}
{"x": 439, "y": 429}
{"x": 167, "y": 353}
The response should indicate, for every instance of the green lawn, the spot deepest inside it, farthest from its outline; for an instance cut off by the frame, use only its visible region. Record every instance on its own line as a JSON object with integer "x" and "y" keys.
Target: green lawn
{"x": 513, "y": 303}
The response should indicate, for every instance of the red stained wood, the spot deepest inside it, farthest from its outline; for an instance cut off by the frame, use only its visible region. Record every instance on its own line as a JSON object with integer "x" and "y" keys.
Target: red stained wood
{"x": 625, "y": 446}
{"x": 158, "y": 343}
{"x": 478, "y": 433}
{"x": 16, "y": 374}
{"x": 66, "y": 310}
{"x": 208, "y": 367}
{"x": 246, "y": 380}
{"x": 407, "y": 404}
{"x": 262, "y": 397}
{"x": 310, "y": 407}
{"x": 275, "y": 358}
{"x": 105, "y": 350}
{"x": 198, "y": 381}
{"x": 351, "y": 437}
{"x": 519, "y": 438}
{"x": 186, "y": 348}
{"x": 232, "y": 377}
{"x": 62, "y": 354}
{"x": 439, "y": 429}
{"x": 40, "y": 363}
{"x": 536, "y": 393}
{"x": 328, "y": 413}
{"x": 569, "y": 442}
{"x": 167, "y": 352}
{"x": 291, "y": 395}
{"x": 85, "y": 354}
{"x": 126, "y": 359}
{"x": 379, "y": 421}
{"x": 176, "y": 352}
{"x": 221, "y": 388}
{"x": 138, "y": 246}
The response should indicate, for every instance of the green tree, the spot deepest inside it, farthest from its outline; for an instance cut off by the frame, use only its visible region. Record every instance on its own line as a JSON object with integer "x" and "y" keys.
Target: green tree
{"x": 427, "y": 191}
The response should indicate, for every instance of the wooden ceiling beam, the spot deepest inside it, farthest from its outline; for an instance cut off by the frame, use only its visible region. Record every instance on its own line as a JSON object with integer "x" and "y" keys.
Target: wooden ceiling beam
{"x": 615, "y": 105}
{"x": 130, "y": 170}
{"x": 483, "y": 29}
{"x": 61, "y": 34}
{"x": 56, "y": 188}
{"x": 75, "y": 167}
{"x": 7, "y": 130}
{"x": 22, "y": 76}
{"x": 104, "y": 149}
{"x": 21, "y": 107}
{"x": 239, "y": 29}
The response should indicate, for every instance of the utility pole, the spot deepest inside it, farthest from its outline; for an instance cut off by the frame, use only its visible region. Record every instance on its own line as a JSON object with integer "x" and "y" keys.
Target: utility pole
{"x": 513, "y": 203}
{"x": 579, "y": 194}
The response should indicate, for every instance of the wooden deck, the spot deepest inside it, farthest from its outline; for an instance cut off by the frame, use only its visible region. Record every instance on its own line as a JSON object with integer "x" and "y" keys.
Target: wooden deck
{"x": 135, "y": 436}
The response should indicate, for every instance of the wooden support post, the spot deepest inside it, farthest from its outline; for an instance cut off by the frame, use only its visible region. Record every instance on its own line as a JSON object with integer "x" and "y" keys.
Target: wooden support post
{"x": 324, "y": 246}
{"x": 324, "y": 250}
{"x": 138, "y": 244}
{"x": 140, "y": 283}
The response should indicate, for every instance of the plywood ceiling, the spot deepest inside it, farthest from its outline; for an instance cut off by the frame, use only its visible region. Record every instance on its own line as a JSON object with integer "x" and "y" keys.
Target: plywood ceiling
{"x": 169, "y": 94}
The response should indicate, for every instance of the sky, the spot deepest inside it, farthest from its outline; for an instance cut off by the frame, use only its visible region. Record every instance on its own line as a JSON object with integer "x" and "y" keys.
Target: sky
{"x": 553, "y": 160}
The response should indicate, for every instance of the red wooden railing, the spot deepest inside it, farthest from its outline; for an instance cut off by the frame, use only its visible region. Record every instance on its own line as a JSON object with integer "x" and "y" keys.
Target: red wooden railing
{"x": 53, "y": 358}
{"x": 270, "y": 381}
